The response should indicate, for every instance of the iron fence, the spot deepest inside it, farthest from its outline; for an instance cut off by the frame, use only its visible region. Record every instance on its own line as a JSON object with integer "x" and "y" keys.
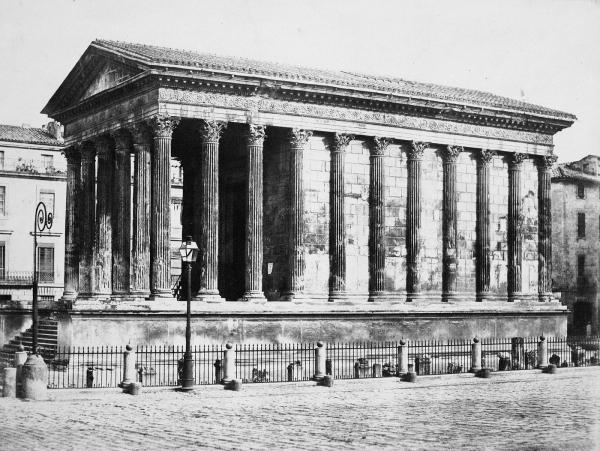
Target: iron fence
{"x": 79, "y": 367}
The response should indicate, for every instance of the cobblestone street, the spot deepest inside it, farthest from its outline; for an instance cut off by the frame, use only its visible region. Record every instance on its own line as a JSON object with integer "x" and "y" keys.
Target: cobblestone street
{"x": 515, "y": 410}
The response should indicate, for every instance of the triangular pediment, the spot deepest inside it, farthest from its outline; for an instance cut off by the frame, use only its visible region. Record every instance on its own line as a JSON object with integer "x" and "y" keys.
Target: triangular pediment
{"x": 110, "y": 75}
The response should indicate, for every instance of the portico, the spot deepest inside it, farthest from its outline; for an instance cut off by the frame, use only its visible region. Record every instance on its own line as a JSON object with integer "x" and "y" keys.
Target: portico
{"x": 340, "y": 192}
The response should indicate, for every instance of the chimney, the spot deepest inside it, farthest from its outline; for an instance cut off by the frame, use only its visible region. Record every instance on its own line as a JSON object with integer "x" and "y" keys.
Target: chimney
{"x": 55, "y": 129}
{"x": 25, "y": 126}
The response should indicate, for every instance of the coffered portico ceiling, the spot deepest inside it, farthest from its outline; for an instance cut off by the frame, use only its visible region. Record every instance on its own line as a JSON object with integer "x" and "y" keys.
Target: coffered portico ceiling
{"x": 130, "y": 76}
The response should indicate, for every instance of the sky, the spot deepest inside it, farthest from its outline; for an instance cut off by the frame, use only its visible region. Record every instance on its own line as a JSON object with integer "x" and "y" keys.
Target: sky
{"x": 541, "y": 51}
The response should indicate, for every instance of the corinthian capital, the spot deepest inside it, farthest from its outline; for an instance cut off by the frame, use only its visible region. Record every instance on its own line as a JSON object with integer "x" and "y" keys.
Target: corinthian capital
{"x": 122, "y": 140}
{"x": 211, "y": 130}
{"x": 451, "y": 153}
{"x": 299, "y": 137}
{"x": 163, "y": 125}
{"x": 486, "y": 156}
{"x": 516, "y": 159}
{"x": 546, "y": 162}
{"x": 140, "y": 133}
{"x": 104, "y": 146}
{"x": 339, "y": 142}
{"x": 416, "y": 150}
{"x": 256, "y": 135}
{"x": 73, "y": 153}
{"x": 379, "y": 145}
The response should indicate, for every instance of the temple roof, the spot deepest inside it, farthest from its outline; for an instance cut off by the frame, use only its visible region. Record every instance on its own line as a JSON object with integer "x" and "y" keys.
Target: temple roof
{"x": 15, "y": 133}
{"x": 164, "y": 56}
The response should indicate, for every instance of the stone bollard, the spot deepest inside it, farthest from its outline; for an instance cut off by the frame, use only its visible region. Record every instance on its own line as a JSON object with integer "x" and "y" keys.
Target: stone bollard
{"x": 218, "y": 370}
{"x": 376, "y": 370}
{"x": 233, "y": 385}
{"x": 35, "y": 378}
{"x": 228, "y": 364}
{"x": 320, "y": 357}
{"x": 542, "y": 354}
{"x": 20, "y": 359}
{"x": 89, "y": 377}
{"x": 402, "y": 358}
{"x": 9, "y": 389}
{"x": 327, "y": 381}
{"x": 133, "y": 388}
{"x": 475, "y": 355}
{"x": 129, "y": 373}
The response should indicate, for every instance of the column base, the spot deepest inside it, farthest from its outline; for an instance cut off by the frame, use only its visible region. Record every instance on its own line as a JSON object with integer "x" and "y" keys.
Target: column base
{"x": 447, "y": 297}
{"x": 140, "y": 294}
{"x": 377, "y": 296}
{"x": 410, "y": 297}
{"x": 212, "y": 296}
{"x": 160, "y": 294}
{"x": 545, "y": 297}
{"x": 337, "y": 296}
{"x": 485, "y": 296}
{"x": 69, "y": 296}
{"x": 294, "y": 296}
{"x": 254, "y": 296}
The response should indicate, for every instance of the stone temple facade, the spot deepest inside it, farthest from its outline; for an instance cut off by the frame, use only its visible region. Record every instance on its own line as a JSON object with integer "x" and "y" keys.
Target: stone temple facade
{"x": 326, "y": 205}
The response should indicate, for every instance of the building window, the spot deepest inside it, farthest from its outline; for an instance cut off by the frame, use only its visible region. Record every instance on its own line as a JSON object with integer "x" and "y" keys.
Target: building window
{"x": 580, "y": 225}
{"x": 1, "y": 159}
{"x": 580, "y": 190}
{"x": 48, "y": 198}
{"x": 2, "y": 200}
{"x": 580, "y": 265}
{"x": 48, "y": 162}
{"x": 2, "y": 260}
{"x": 46, "y": 263}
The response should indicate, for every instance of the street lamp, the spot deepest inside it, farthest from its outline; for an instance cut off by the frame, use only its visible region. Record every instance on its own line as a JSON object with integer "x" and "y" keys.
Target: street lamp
{"x": 189, "y": 253}
{"x": 35, "y": 372}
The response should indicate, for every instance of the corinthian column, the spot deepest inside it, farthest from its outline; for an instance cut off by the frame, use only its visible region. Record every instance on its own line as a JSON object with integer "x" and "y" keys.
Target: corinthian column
{"x": 72, "y": 222}
{"x": 413, "y": 220}
{"x": 140, "y": 255}
{"x": 337, "y": 225}
{"x": 254, "y": 225}
{"x": 121, "y": 215}
{"x": 104, "y": 188}
{"x": 515, "y": 240}
{"x": 450, "y": 224}
{"x": 298, "y": 139}
{"x": 187, "y": 203}
{"x": 160, "y": 229}
{"x": 88, "y": 205}
{"x": 208, "y": 236}
{"x": 544, "y": 166}
{"x": 482, "y": 241}
{"x": 377, "y": 219}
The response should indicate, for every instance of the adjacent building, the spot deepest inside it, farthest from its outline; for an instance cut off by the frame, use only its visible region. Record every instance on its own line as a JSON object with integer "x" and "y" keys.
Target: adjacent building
{"x": 576, "y": 241}
{"x": 326, "y": 205}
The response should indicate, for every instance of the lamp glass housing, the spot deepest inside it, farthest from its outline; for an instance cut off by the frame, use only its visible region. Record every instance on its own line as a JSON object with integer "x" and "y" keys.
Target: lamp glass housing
{"x": 188, "y": 250}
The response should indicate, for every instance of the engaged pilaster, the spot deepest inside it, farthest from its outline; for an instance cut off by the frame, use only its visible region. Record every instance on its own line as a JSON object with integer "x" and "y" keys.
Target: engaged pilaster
{"x": 254, "y": 228}
{"x": 413, "y": 220}
{"x": 121, "y": 215}
{"x": 104, "y": 205}
{"x": 140, "y": 254}
{"x": 337, "y": 225}
{"x": 298, "y": 139}
{"x": 88, "y": 213}
{"x": 72, "y": 222}
{"x": 208, "y": 237}
{"x": 482, "y": 242}
{"x": 544, "y": 167}
{"x": 377, "y": 219}
{"x": 160, "y": 233}
{"x": 450, "y": 224}
{"x": 515, "y": 240}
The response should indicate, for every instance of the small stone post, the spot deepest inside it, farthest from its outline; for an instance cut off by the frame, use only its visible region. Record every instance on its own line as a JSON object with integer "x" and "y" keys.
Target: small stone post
{"x": 20, "y": 358}
{"x": 228, "y": 364}
{"x": 129, "y": 360}
{"x": 475, "y": 355}
{"x": 402, "y": 358}
{"x": 542, "y": 354}
{"x": 9, "y": 389}
{"x": 320, "y": 357}
{"x": 35, "y": 378}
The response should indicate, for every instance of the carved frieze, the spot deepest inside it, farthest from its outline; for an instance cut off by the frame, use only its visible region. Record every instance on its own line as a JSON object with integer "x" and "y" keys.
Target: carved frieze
{"x": 261, "y": 104}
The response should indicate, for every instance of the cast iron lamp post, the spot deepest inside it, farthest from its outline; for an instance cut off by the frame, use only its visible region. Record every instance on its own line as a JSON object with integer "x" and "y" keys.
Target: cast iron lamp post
{"x": 189, "y": 253}
{"x": 34, "y": 376}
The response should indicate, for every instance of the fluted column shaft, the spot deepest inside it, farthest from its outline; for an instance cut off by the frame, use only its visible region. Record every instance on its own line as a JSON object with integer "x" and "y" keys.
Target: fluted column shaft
{"x": 187, "y": 203}
{"x": 298, "y": 140}
{"x": 482, "y": 241}
{"x": 450, "y": 224}
{"x": 377, "y": 219}
{"x": 104, "y": 205}
{"x": 413, "y": 219}
{"x": 208, "y": 239}
{"x": 72, "y": 223}
{"x": 337, "y": 225}
{"x": 515, "y": 240}
{"x": 254, "y": 224}
{"x": 88, "y": 214}
{"x": 121, "y": 216}
{"x": 544, "y": 167}
{"x": 140, "y": 254}
{"x": 160, "y": 233}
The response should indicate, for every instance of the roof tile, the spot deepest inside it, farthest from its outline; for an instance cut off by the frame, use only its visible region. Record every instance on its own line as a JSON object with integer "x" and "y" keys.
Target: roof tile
{"x": 15, "y": 133}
